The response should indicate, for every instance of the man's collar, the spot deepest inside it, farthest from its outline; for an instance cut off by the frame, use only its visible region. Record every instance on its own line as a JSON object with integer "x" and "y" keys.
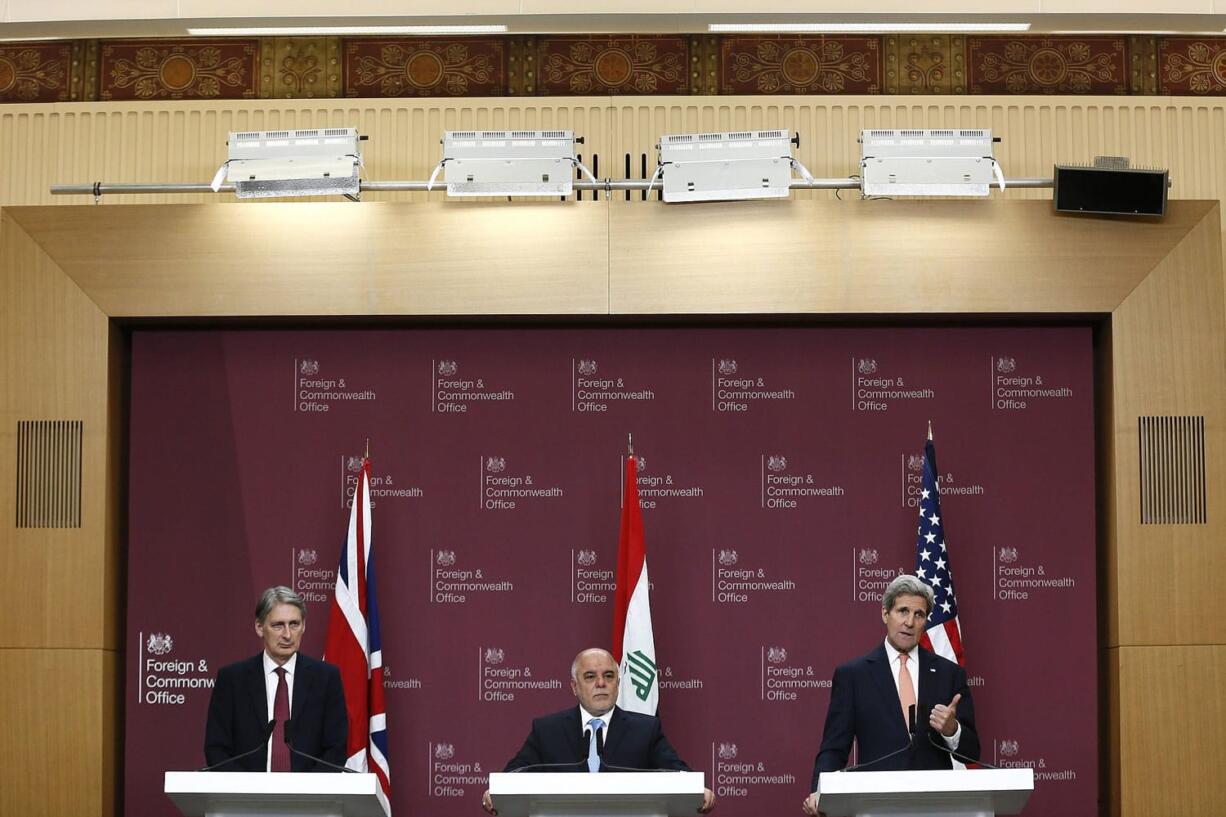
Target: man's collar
{"x": 892, "y": 654}
{"x": 585, "y": 717}
{"x": 270, "y": 665}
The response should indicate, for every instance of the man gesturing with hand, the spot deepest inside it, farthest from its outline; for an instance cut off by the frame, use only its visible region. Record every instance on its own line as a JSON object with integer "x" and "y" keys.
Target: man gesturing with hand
{"x": 905, "y": 707}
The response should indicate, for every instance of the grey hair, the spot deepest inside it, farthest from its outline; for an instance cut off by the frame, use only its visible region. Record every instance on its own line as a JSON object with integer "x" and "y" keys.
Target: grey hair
{"x": 906, "y": 585}
{"x": 574, "y": 665}
{"x": 273, "y": 596}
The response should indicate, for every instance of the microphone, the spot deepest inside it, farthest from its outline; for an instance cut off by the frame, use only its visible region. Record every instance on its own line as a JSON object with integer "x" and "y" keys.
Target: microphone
{"x": 289, "y": 742}
{"x": 963, "y": 758}
{"x": 534, "y": 766}
{"x": 263, "y": 745}
{"x": 912, "y": 728}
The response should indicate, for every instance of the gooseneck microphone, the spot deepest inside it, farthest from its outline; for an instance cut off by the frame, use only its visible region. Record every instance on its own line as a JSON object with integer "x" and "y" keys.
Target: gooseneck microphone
{"x": 289, "y": 742}
{"x": 535, "y": 766}
{"x": 263, "y": 746}
{"x": 912, "y": 728}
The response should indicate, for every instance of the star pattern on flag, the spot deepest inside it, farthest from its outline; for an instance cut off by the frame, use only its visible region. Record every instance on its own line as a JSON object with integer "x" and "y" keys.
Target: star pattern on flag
{"x": 935, "y": 573}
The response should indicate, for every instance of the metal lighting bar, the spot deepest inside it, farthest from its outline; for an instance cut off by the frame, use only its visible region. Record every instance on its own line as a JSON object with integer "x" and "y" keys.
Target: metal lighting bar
{"x": 98, "y": 189}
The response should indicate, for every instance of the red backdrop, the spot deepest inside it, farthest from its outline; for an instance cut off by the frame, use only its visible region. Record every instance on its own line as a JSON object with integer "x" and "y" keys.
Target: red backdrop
{"x": 496, "y": 457}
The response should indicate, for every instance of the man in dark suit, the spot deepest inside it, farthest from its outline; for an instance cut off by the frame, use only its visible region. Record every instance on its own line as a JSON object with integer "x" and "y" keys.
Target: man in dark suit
{"x": 872, "y": 699}
{"x": 279, "y": 684}
{"x": 574, "y": 740}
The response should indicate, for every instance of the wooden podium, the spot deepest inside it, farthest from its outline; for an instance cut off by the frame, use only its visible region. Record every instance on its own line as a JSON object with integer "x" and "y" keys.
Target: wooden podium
{"x": 274, "y": 794}
{"x": 609, "y": 794}
{"x": 961, "y": 793}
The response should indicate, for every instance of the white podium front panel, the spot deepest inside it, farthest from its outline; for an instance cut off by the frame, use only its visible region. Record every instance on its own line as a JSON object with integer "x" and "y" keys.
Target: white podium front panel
{"x": 945, "y": 792}
{"x": 272, "y": 794}
{"x": 609, "y": 794}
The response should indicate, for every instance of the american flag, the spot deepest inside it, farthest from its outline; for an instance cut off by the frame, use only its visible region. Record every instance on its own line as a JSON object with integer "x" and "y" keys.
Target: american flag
{"x": 353, "y": 644}
{"x": 944, "y": 634}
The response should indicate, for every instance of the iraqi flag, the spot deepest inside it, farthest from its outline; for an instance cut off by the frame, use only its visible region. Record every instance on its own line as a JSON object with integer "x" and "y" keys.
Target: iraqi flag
{"x": 353, "y": 645}
{"x": 634, "y": 645}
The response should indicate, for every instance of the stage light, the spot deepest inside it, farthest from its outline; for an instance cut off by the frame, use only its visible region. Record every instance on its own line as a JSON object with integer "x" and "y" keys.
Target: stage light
{"x": 727, "y": 166}
{"x": 955, "y": 162}
{"x": 267, "y": 164}
{"x": 1111, "y": 186}
{"x": 509, "y": 163}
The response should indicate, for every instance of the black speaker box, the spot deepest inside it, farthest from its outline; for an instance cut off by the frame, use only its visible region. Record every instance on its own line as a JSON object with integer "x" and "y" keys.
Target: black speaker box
{"x": 1110, "y": 191}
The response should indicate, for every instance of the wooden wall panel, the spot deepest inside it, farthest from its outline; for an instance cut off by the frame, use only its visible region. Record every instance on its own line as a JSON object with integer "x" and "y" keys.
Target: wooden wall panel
{"x": 1172, "y": 717}
{"x": 60, "y": 742}
{"x": 1169, "y": 358}
{"x": 55, "y": 360}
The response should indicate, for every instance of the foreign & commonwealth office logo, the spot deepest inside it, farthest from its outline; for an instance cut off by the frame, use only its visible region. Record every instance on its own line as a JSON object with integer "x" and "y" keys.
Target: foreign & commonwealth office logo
{"x": 447, "y": 368}
{"x": 494, "y": 655}
{"x": 640, "y": 462}
{"x": 868, "y": 556}
{"x": 306, "y": 558}
{"x": 353, "y": 464}
{"x": 777, "y": 462}
{"x": 727, "y": 367}
{"x": 642, "y": 671}
{"x": 866, "y": 366}
{"x": 727, "y": 558}
{"x": 727, "y": 751}
{"x": 776, "y": 655}
{"x": 1009, "y": 748}
{"x": 1005, "y": 365}
{"x": 445, "y": 558}
{"x": 915, "y": 462}
{"x": 444, "y": 751}
{"x": 495, "y": 465}
{"x": 1008, "y": 555}
{"x": 308, "y": 367}
{"x": 587, "y": 558}
{"x": 159, "y": 644}
{"x": 587, "y": 367}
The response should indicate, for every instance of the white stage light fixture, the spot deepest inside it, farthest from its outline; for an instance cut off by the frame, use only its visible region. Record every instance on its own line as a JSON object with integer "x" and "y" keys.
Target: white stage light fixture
{"x": 727, "y": 166}
{"x": 955, "y": 162}
{"x": 509, "y": 163}
{"x": 267, "y": 164}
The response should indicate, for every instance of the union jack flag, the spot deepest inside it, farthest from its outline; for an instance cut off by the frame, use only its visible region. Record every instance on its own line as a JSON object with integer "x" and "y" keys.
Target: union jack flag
{"x": 944, "y": 633}
{"x": 353, "y": 644}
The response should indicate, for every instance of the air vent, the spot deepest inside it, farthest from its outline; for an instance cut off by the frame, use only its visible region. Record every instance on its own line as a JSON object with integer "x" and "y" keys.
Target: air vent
{"x": 1172, "y": 470}
{"x": 49, "y": 474}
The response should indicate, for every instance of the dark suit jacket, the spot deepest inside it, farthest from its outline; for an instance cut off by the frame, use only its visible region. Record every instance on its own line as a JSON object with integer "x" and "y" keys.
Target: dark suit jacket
{"x": 864, "y": 705}
{"x": 635, "y": 742}
{"x": 238, "y": 716}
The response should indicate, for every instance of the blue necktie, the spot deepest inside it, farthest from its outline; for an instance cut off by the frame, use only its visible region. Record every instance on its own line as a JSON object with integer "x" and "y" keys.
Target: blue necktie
{"x": 593, "y": 759}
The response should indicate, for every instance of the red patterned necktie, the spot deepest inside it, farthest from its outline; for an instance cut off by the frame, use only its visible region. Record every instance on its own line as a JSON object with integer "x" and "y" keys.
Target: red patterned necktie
{"x": 280, "y": 711}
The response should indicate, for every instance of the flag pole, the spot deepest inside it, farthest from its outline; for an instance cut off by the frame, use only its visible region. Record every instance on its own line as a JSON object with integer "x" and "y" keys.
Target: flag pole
{"x": 629, "y": 444}
{"x": 368, "y": 441}
{"x": 929, "y": 432}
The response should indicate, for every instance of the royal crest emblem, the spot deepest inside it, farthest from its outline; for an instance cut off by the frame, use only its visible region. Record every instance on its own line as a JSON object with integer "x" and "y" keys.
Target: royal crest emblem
{"x": 868, "y": 556}
{"x": 353, "y": 464}
{"x": 587, "y": 367}
{"x": 727, "y": 367}
{"x": 776, "y": 655}
{"x": 307, "y": 558}
{"x": 776, "y": 462}
{"x": 640, "y": 462}
{"x": 1005, "y": 365}
{"x": 447, "y": 368}
{"x": 727, "y": 558}
{"x": 587, "y": 558}
{"x": 495, "y": 465}
{"x": 866, "y": 366}
{"x": 1009, "y": 748}
{"x": 915, "y": 462}
{"x": 308, "y": 367}
{"x": 1008, "y": 555}
{"x": 727, "y": 751}
{"x": 444, "y": 751}
{"x": 159, "y": 644}
{"x": 445, "y": 558}
{"x": 494, "y": 655}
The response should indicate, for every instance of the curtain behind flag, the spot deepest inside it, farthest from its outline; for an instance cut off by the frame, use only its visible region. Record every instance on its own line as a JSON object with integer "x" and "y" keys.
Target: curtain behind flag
{"x": 353, "y": 644}
{"x": 634, "y": 646}
{"x": 932, "y": 567}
